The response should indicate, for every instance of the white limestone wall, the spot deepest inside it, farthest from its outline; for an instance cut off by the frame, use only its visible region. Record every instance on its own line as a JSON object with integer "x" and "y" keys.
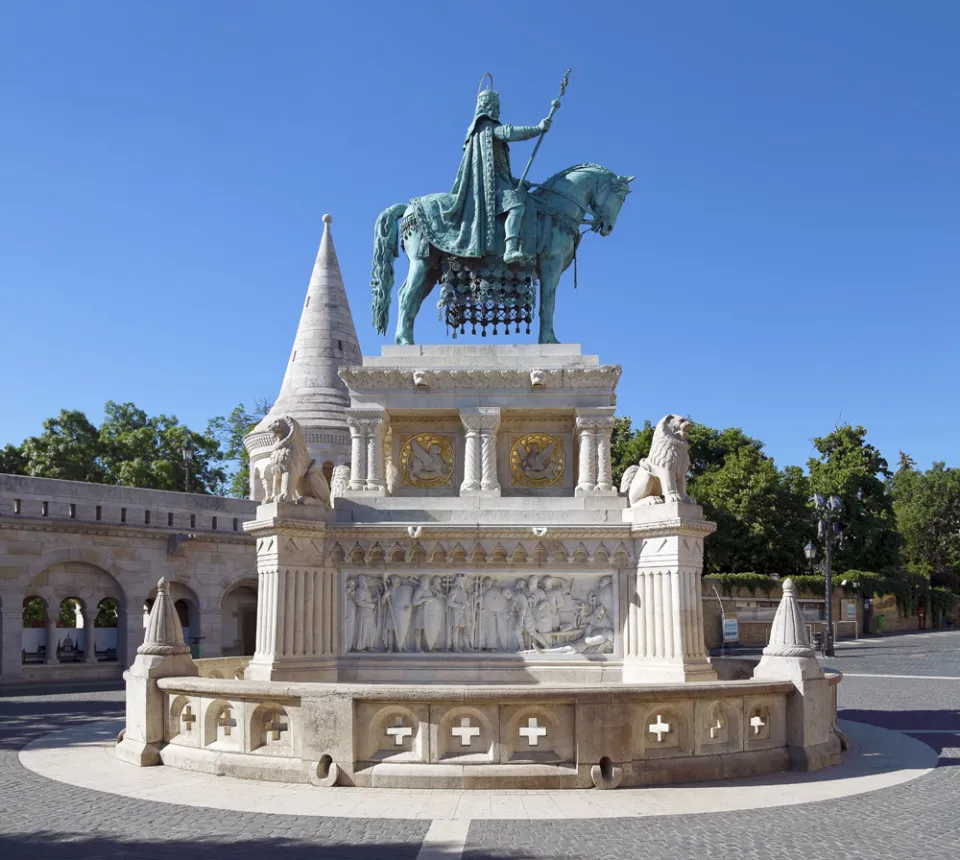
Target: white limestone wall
{"x": 61, "y": 539}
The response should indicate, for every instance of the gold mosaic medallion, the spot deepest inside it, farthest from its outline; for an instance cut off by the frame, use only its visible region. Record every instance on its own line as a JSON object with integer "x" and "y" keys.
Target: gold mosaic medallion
{"x": 536, "y": 460}
{"x": 426, "y": 460}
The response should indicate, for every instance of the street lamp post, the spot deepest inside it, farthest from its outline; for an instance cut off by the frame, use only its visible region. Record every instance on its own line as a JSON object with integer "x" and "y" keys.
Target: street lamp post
{"x": 828, "y": 528}
{"x": 187, "y": 460}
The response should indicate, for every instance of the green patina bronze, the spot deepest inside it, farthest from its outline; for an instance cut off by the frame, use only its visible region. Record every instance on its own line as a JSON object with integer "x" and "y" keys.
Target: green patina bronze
{"x": 492, "y": 239}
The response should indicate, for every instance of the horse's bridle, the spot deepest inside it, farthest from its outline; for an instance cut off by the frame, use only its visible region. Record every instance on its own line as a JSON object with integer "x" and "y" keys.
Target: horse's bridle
{"x": 589, "y": 222}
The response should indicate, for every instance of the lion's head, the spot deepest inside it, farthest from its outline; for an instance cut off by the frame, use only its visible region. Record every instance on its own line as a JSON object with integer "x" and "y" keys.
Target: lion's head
{"x": 670, "y": 441}
{"x": 290, "y": 445}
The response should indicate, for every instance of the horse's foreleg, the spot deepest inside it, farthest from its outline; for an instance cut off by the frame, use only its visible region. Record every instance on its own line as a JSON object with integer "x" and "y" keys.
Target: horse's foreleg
{"x": 415, "y": 289}
{"x": 550, "y": 272}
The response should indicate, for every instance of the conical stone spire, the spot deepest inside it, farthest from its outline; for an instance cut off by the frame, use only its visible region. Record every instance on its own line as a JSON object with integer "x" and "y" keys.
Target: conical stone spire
{"x": 788, "y": 654}
{"x": 326, "y": 340}
{"x": 312, "y": 391}
{"x": 788, "y": 635}
{"x": 164, "y": 635}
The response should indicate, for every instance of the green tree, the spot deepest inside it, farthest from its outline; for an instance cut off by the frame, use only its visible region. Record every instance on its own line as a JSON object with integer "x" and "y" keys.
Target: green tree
{"x": 12, "y": 461}
{"x": 68, "y": 449}
{"x": 628, "y": 446}
{"x": 854, "y": 470}
{"x": 144, "y": 451}
{"x": 67, "y": 617}
{"x": 927, "y": 510}
{"x": 761, "y": 512}
{"x": 129, "y": 449}
{"x": 229, "y": 432}
{"x": 107, "y": 613}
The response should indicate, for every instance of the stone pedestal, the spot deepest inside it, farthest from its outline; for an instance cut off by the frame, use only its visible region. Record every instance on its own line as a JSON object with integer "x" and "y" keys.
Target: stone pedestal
{"x": 297, "y": 617}
{"x": 663, "y": 634}
{"x": 163, "y": 654}
{"x": 812, "y": 743}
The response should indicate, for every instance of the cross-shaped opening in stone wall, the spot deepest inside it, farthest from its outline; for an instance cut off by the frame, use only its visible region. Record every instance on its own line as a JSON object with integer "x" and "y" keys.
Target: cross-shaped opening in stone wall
{"x": 399, "y": 731}
{"x": 275, "y": 727}
{"x": 188, "y": 718}
{"x": 533, "y": 731}
{"x": 465, "y": 731}
{"x": 659, "y": 728}
{"x": 757, "y": 723}
{"x": 226, "y": 722}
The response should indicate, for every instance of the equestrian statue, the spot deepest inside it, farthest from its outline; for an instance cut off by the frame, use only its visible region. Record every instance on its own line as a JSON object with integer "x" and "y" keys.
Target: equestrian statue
{"x": 493, "y": 238}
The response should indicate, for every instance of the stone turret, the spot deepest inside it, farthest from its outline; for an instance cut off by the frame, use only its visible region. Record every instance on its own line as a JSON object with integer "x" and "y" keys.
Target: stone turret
{"x": 312, "y": 391}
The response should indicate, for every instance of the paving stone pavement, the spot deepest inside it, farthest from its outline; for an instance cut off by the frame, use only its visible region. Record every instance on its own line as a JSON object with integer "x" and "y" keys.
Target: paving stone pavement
{"x": 40, "y": 818}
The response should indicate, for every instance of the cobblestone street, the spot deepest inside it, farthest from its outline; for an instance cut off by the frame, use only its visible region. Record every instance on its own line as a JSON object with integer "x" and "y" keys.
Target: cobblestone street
{"x": 909, "y": 683}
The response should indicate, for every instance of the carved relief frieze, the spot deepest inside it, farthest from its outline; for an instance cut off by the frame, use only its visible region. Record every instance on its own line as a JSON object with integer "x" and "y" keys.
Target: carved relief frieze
{"x": 460, "y": 613}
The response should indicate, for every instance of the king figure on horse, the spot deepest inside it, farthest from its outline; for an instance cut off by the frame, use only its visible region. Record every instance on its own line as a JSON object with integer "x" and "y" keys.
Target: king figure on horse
{"x": 491, "y": 240}
{"x": 464, "y": 223}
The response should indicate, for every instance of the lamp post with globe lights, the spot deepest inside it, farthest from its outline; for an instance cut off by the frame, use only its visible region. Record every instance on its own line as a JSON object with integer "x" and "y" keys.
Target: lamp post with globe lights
{"x": 187, "y": 460}
{"x": 828, "y": 530}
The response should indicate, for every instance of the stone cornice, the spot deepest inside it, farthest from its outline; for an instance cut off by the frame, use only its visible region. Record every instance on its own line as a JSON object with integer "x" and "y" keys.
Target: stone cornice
{"x": 361, "y": 378}
{"x": 681, "y": 527}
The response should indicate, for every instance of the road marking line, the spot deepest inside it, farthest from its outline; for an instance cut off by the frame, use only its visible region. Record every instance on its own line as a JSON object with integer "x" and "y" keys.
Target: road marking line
{"x": 930, "y": 731}
{"x": 445, "y": 840}
{"x": 904, "y": 677}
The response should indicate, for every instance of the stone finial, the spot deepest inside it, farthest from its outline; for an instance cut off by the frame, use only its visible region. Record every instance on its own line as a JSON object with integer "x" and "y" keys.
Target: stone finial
{"x": 164, "y": 635}
{"x": 788, "y": 635}
{"x": 327, "y": 219}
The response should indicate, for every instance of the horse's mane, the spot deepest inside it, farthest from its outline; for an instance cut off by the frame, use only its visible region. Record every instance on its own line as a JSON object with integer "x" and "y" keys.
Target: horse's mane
{"x": 562, "y": 174}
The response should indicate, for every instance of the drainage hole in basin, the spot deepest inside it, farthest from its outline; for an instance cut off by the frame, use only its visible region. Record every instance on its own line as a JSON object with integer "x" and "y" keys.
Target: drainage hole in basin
{"x": 323, "y": 766}
{"x": 606, "y": 768}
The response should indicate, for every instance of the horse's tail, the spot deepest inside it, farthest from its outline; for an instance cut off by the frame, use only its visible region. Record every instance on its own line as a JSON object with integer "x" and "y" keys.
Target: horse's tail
{"x": 385, "y": 248}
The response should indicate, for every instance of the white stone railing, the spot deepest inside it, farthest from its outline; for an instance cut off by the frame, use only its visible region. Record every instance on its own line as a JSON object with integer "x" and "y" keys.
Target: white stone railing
{"x": 45, "y": 499}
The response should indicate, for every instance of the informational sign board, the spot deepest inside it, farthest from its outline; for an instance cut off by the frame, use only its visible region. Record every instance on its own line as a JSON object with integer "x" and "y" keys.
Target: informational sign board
{"x": 731, "y": 629}
{"x": 850, "y": 610}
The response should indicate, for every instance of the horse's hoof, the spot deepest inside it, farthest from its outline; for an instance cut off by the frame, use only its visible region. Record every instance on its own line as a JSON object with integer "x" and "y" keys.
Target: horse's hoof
{"x": 549, "y": 339}
{"x": 403, "y": 341}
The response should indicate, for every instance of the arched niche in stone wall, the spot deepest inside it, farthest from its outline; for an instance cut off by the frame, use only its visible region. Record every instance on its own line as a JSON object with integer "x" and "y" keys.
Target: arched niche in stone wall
{"x": 271, "y": 729}
{"x": 238, "y": 618}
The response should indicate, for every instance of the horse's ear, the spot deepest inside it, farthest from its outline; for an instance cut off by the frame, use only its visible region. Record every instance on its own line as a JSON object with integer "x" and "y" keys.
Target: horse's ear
{"x": 629, "y": 178}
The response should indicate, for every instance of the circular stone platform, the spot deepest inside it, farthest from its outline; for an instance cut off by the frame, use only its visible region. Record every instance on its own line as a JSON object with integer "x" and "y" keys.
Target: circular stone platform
{"x": 84, "y": 757}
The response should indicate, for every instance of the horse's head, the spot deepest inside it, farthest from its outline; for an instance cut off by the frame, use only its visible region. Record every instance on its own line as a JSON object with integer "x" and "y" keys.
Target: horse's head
{"x": 612, "y": 190}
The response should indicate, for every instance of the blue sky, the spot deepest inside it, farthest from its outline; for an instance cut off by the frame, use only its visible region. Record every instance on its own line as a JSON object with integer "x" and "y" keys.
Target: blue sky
{"x": 790, "y": 256}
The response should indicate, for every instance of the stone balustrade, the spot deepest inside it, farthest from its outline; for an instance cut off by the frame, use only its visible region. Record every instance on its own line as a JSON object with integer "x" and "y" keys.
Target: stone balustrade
{"x": 47, "y": 499}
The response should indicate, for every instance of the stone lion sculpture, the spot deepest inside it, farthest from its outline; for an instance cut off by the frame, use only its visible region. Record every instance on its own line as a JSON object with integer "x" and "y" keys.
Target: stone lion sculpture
{"x": 292, "y": 475}
{"x": 662, "y": 475}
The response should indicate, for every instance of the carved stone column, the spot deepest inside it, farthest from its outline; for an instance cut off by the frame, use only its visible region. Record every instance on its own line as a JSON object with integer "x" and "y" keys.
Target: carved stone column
{"x": 89, "y": 634}
{"x": 358, "y": 454}
{"x": 297, "y": 597}
{"x": 367, "y": 430}
{"x": 376, "y": 431}
{"x": 480, "y": 457}
{"x": 664, "y": 632}
{"x": 489, "y": 425}
{"x": 472, "y": 470}
{"x": 604, "y": 466}
{"x": 52, "y": 638}
{"x": 594, "y": 426}
{"x": 587, "y": 480}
